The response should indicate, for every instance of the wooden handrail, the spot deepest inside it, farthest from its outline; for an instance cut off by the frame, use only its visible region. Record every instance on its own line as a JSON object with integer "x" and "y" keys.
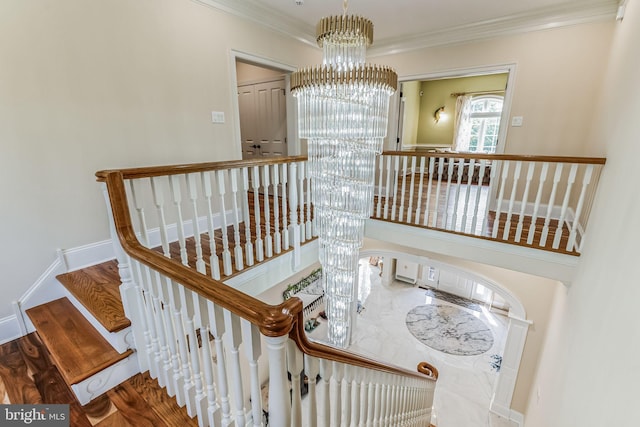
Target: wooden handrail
{"x": 150, "y": 171}
{"x": 479, "y": 156}
{"x": 323, "y": 351}
{"x": 428, "y": 370}
{"x": 272, "y": 320}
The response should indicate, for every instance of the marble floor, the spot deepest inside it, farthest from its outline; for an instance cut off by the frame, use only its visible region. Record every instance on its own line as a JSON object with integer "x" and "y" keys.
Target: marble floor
{"x": 465, "y": 384}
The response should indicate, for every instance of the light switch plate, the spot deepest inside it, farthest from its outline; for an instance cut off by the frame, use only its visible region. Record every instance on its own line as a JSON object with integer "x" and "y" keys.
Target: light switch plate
{"x": 516, "y": 121}
{"x": 217, "y": 116}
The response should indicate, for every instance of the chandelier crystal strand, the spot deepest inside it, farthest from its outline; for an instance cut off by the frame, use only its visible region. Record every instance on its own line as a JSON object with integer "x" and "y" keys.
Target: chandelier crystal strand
{"x": 343, "y": 109}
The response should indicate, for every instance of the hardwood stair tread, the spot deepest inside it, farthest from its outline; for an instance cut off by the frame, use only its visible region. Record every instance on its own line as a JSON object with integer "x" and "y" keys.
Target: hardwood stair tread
{"x": 76, "y": 347}
{"x": 97, "y": 289}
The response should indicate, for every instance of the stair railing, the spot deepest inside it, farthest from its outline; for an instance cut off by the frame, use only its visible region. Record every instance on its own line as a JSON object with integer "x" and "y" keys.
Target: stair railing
{"x": 226, "y": 356}
{"x": 535, "y": 201}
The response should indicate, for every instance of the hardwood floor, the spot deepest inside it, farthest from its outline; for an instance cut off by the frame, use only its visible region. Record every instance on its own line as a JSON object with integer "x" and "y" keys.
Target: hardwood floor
{"x": 27, "y": 375}
{"x": 446, "y": 211}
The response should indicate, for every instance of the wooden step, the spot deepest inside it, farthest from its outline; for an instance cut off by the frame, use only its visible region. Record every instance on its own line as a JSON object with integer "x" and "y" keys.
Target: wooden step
{"x": 77, "y": 349}
{"x": 97, "y": 288}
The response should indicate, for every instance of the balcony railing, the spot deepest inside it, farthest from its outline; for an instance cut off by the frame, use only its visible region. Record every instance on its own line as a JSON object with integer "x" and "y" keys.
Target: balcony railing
{"x": 535, "y": 201}
{"x": 178, "y": 231}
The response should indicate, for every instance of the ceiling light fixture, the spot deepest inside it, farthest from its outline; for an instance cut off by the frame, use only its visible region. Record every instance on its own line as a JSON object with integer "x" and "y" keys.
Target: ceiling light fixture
{"x": 343, "y": 112}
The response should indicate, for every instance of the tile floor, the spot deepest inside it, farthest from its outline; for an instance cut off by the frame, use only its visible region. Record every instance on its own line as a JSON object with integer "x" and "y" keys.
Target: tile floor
{"x": 465, "y": 384}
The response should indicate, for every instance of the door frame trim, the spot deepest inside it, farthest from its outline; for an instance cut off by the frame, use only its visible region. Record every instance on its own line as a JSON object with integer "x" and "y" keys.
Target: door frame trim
{"x": 293, "y": 142}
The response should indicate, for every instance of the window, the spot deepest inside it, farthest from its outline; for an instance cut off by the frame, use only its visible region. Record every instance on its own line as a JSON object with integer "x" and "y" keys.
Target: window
{"x": 479, "y": 124}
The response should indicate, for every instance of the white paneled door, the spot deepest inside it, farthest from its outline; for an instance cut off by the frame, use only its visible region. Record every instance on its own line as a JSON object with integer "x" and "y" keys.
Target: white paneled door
{"x": 263, "y": 119}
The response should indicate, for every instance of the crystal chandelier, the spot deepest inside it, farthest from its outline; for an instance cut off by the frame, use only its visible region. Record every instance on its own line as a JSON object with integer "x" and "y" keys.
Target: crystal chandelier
{"x": 343, "y": 111}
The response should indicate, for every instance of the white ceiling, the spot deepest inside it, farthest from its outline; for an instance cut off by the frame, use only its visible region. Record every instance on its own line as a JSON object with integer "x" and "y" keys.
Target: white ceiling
{"x": 401, "y": 25}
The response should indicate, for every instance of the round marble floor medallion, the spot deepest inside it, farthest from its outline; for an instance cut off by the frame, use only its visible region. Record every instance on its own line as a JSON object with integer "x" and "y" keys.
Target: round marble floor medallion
{"x": 449, "y": 329}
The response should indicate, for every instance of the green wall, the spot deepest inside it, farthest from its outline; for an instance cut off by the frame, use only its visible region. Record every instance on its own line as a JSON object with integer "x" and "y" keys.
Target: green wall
{"x": 437, "y": 93}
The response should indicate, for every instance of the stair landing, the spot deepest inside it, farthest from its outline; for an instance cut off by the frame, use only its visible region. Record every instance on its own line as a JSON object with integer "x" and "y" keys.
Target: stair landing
{"x": 97, "y": 289}
{"x": 78, "y": 350}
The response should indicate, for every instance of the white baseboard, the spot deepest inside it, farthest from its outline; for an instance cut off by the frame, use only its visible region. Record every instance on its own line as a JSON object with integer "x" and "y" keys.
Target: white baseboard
{"x": 9, "y": 329}
{"x": 508, "y": 413}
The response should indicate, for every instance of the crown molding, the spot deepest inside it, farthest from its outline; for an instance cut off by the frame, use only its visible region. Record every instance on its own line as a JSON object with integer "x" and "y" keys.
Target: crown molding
{"x": 255, "y": 11}
{"x": 540, "y": 19}
{"x": 572, "y": 13}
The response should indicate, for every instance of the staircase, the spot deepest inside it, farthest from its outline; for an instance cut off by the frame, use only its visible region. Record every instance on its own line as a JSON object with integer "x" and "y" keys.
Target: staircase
{"x": 87, "y": 334}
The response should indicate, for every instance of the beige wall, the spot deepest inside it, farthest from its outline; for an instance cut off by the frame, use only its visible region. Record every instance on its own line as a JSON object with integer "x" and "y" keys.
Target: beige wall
{"x": 437, "y": 93}
{"x": 557, "y": 79}
{"x": 535, "y": 293}
{"x": 251, "y": 73}
{"x": 589, "y": 373}
{"x": 88, "y": 85}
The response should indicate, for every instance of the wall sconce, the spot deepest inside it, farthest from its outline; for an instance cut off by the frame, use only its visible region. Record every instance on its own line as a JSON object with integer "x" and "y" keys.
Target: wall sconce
{"x": 439, "y": 114}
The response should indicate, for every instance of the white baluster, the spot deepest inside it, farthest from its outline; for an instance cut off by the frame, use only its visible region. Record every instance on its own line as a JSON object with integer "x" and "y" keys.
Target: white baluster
{"x": 387, "y": 188}
{"x": 162, "y": 356}
{"x": 525, "y": 199}
{"x": 309, "y": 223}
{"x": 277, "y": 236}
{"x": 294, "y": 363}
{"x": 226, "y": 254}
{"x": 325, "y": 386}
{"x": 467, "y": 195}
{"x": 432, "y": 161}
{"x": 496, "y": 221}
{"x": 377, "y": 402}
{"x": 363, "y": 396}
{"x": 232, "y": 340}
{"x": 213, "y": 258}
{"x": 420, "y": 186}
{"x": 301, "y": 177}
{"x": 185, "y": 316}
{"x": 279, "y": 395}
{"x": 293, "y": 212}
{"x": 214, "y": 415}
{"x": 586, "y": 180}
{"x": 396, "y": 171}
{"x": 237, "y": 248}
{"x": 450, "y": 167}
{"x": 371, "y": 398}
{"x": 255, "y": 184}
{"x": 404, "y": 186}
{"x": 476, "y": 205}
{"x": 492, "y": 179}
{"x": 145, "y": 304}
{"x": 158, "y": 199}
{"x": 216, "y": 321}
{"x": 552, "y": 198}
{"x": 454, "y": 219}
{"x": 348, "y": 406}
{"x": 200, "y": 399}
{"x": 248, "y": 244}
{"x": 193, "y": 195}
{"x": 253, "y": 350}
{"x": 380, "y": 160}
{"x": 565, "y": 203}
{"x": 311, "y": 371}
{"x": 336, "y": 393}
{"x": 536, "y": 205}
{"x": 176, "y": 194}
{"x": 512, "y": 199}
{"x": 175, "y": 383}
{"x": 285, "y": 228}
{"x": 413, "y": 180}
{"x": 435, "y": 212}
{"x": 268, "y": 239}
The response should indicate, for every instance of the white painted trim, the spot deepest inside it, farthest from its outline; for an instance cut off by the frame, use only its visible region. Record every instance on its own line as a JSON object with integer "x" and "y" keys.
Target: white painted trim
{"x": 555, "y": 266}
{"x": 540, "y": 19}
{"x": 515, "y": 305}
{"x": 545, "y": 18}
{"x": 509, "y": 68}
{"x": 106, "y": 379}
{"x": 260, "y": 278}
{"x": 87, "y": 255}
{"x": 508, "y": 413}
{"x": 293, "y": 142}
{"x": 9, "y": 329}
